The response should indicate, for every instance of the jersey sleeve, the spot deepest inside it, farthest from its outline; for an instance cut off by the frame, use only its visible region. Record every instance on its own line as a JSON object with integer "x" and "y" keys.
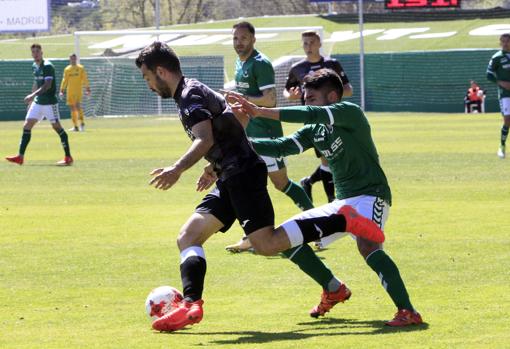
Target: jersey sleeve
{"x": 195, "y": 108}
{"x": 337, "y": 67}
{"x": 491, "y": 70}
{"x": 264, "y": 74}
{"x": 292, "y": 79}
{"x": 48, "y": 72}
{"x": 345, "y": 115}
{"x": 65, "y": 80}
{"x": 295, "y": 143}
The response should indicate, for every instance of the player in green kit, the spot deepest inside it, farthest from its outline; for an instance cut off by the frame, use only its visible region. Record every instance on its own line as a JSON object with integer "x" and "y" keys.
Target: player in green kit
{"x": 42, "y": 104}
{"x": 340, "y": 131}
{"x": 255, "y": 79}
{"x": 498, "y": 71}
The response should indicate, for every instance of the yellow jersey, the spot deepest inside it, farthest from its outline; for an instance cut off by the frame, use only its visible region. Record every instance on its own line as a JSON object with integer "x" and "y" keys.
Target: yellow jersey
{"x": 75, "y": 78}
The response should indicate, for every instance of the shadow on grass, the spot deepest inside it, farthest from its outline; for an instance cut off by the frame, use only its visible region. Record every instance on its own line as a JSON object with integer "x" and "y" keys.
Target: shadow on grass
{"x": 325, "y": 327}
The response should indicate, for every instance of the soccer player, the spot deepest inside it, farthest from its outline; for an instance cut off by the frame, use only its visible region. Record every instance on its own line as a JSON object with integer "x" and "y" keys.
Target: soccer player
{"x": 75, "y": 79}
{"x": 241, "y": 184}
{"x": 255, "y": 79}
{"x": 498, "y": 71}
{"x": 42, "y": 103}
{"x": 293, "y": 91}
{"x": 340, "y": 131}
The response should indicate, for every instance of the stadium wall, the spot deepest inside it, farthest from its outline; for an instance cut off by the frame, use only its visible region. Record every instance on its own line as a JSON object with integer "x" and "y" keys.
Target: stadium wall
{"x": 430, "y": 81}
{"x": 117, "y": 86}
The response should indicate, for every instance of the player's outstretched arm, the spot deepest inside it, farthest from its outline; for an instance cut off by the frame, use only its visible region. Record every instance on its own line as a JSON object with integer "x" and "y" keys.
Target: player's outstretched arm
{"x": 165, "y": 178}
{"x": 242, "y": 105}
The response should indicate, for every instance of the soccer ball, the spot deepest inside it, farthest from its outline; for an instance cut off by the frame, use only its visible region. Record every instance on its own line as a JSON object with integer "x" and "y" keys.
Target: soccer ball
{"x": 161, "y": 301}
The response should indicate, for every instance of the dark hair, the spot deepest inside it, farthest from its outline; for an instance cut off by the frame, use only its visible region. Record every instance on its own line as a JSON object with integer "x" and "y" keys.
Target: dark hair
{"x": 159, "y": 54}
{"x": 505, "y": 35}
{"x": 72, "y": 55}
{"x": 310, "y": 33}
{"x": 36, "y": 46}
{"x": 245, "y": 25}
{"x": 325, "y": 79}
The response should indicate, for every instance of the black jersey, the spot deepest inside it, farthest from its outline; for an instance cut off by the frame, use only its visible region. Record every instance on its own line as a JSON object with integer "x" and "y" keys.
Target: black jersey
{"x": 302, "y": 68}
{"x": 231, "y": 152}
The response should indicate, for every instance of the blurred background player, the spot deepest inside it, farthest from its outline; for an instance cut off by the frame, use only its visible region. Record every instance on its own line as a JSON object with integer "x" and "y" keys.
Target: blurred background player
{"x": 498, "y": 71}
{"x": 255, "y": 79}
{"x": 342, "y": 133}
{"x": 75, "y": 79}
{"x": 293, "y": 91}
{"x": 474, "y": 99}
{"x": 42, "y": 104}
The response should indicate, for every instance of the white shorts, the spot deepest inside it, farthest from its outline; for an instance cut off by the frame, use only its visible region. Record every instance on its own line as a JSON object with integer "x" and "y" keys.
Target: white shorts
{"x": 504, "y": 104}
{"x": 371, "y": 207}
{"x": 274, "y": 164}
{"x": 39, "y": 112}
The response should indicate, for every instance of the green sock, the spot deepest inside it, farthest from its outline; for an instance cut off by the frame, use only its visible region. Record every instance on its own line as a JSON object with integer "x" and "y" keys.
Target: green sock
{"x": 390, "y": 278}
{"x": 304, "y": 257}
{"x": 298, "y": 195}
{"x": 25, "y": 139}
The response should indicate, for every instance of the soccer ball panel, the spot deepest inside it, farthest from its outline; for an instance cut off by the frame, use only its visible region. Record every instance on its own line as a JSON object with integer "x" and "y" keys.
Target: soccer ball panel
{"x": 162, "y": 300}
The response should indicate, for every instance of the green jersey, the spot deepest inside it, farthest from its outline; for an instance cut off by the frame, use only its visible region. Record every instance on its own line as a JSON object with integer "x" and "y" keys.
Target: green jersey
{"x": 342, "y": 134}
{"x": 41, "y": 73}
{"x": 252, "y": 77}
{"x": 499, "y": 69}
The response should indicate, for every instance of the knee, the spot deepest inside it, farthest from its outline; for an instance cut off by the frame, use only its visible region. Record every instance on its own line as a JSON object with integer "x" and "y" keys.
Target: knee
{"x": 280, "y": 183}
{"x": 366, "y": 247}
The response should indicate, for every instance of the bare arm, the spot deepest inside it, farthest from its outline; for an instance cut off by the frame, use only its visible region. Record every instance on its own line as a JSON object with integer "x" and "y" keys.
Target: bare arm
{"x": 45, "y": 87}
{"x": 165, "y": 178}
{"x": 244, "y": 109}
{"x": 347, "y": 90}
{"x": 504, "y": 84}
{"x": 268, "y": 98}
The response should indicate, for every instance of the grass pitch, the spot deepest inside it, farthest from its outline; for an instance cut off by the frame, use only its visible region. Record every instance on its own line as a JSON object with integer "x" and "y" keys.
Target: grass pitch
{"x": 81, "y": 247}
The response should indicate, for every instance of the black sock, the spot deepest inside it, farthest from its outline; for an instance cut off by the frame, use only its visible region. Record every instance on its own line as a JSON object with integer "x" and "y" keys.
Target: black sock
{"x": 193, "y": 270}
{"x": 318, "y": 227}
{"x": 25, "y": 139}
{"x": 504, "y": 134}
{"x": 327, "y": 183}
{"x": 315, "y": 176}
{"x": 65, "y": 141}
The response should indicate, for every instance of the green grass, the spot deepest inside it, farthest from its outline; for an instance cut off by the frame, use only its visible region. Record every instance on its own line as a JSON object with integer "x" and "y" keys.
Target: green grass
{"x": 61, "y": 46}
{"x": 81, "y": 247}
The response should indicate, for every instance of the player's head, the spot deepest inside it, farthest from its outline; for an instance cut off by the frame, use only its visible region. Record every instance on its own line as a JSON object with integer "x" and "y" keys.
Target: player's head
{"x": 36, "y": 52}
{"x": 504, "y": 41}
{"x": 73, "y": 59}
{"x": 473, "y": 84}
{"x": 160, "y": 67}
{"x": 311, "y": 43}
{"x": 243, "y": 36}
{"x": 323, "y": 87}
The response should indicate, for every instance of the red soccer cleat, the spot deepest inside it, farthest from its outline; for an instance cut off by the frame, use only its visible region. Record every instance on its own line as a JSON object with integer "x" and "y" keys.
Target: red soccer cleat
{"x": 329, "y": 300}
{"x": 361, "y": 226}
{"x": 17, "y": 159}
{"x": 405, "y": 317}
{"x": 68, "y": 161}
{"x": 186, "y": 314}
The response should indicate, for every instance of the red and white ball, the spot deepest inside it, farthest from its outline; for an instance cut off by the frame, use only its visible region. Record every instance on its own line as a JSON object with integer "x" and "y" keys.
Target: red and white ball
{"x": 161, "y": 301}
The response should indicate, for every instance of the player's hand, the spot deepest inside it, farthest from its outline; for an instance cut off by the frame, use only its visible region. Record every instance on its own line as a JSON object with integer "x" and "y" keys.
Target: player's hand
{"x": 240, "y": 102}
{"x": 28, "y": 99}
{"x": 207, "y": 179}
{"x": 294, "y": 93}
{"x": 164, "y": 178}
{"x": 240, "y": 114}
{"x": 230, "y": 96}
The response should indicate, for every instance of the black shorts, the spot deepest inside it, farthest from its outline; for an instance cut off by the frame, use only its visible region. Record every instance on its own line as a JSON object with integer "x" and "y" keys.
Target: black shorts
{"x": 244, "y": 197}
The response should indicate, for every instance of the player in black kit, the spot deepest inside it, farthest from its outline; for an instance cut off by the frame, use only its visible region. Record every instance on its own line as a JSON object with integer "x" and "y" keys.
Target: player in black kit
{"x": 293, "y": 91}
{"x": 241, "y": 184}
